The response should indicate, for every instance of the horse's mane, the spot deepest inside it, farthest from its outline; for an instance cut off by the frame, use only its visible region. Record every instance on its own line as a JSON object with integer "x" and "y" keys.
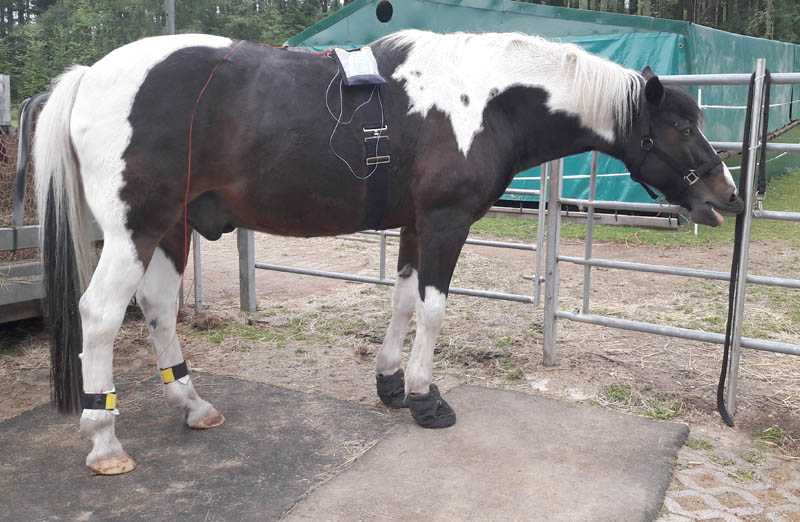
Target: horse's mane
{"x": 604, "y": 93}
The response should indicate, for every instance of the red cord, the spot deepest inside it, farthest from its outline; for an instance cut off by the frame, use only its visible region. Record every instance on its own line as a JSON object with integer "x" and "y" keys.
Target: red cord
{"x": 189, "y": 153}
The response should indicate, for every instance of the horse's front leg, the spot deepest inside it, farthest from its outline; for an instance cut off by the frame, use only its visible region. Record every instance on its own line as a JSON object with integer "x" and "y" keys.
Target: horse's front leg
{"x": 158, "y": 297}
{"x": 390, "y": 378}
{"x": 441, "y": 235}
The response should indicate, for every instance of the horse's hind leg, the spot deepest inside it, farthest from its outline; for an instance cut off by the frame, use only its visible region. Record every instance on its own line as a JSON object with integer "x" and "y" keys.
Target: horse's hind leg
{"x": 441, "y": 235}
{"x": 390, "y": 378}
{"x": 158, "y": 297}
{"x": 102, "y": 308}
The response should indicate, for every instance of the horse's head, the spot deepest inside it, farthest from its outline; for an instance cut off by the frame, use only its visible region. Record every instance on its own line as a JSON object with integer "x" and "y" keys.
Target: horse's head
{"x": 666, "y": 149}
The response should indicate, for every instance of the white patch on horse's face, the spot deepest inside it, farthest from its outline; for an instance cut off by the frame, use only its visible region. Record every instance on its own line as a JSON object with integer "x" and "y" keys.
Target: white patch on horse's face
{"x": 726, "y": 171}
{"x": 100, "y": 129}
{"x": 460, "y": 73}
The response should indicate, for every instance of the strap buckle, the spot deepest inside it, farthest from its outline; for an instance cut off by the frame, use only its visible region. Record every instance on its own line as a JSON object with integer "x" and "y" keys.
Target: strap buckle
{"x": 691, "y": 178}
{"x": 378, "y": 160}
{"x": 375, "y": 134}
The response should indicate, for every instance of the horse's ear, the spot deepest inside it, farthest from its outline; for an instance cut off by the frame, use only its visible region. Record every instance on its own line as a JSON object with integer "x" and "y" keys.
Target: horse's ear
{"x": 647, "y": 72}
{"x": 654, "y": 91}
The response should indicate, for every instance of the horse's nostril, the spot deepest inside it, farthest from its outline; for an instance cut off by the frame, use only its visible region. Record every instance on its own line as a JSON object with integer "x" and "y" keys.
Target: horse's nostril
{"x": 733, "y": 198}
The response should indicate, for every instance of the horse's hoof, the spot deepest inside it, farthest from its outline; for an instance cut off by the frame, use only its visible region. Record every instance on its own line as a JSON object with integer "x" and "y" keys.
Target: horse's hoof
{"x": 116, "y": 465}
{"x": 392, "y": 389}
{"x": 430, "y": 410}
{"x": 212, "y": 420}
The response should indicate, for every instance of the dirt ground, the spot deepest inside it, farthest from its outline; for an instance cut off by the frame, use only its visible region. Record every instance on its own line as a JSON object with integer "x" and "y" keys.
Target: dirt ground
{"x": 320, "y": 335}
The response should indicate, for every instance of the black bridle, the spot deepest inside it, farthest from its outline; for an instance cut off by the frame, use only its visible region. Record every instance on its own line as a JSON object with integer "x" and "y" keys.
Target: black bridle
{"x": 688, "y": 177}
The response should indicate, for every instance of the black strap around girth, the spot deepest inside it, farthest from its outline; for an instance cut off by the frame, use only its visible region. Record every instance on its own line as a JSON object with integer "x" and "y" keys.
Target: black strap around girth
{"x": 376, "y": 162}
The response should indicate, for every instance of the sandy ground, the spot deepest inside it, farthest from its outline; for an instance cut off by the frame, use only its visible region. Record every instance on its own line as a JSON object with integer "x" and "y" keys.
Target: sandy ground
{"x": 320, "y": 335}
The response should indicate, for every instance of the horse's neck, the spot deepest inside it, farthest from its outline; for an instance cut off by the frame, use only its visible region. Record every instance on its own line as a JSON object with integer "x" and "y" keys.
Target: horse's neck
{"x": 522, "y": 130}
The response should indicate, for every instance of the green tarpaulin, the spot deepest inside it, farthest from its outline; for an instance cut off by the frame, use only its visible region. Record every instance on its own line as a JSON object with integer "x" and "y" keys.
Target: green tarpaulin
{"x": 669, "y": 47}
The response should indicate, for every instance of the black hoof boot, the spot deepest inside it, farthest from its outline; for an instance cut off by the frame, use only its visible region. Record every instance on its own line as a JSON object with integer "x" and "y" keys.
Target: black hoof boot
{"x": 430, "y": 410}
{"x": 392, "y": 389}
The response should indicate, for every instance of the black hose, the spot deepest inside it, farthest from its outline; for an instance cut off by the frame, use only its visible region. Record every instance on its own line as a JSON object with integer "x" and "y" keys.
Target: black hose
{"x": 738, "y": 245}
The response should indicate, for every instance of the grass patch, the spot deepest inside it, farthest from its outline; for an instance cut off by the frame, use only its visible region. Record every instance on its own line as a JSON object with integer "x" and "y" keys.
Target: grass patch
{"x": 699, "y": 444}
{"x": 777, "y": 437}
{"x": 516, "y": 374}
{"x": 662, "y": 407}
{"x": 753, "y": 457}
{"x": 626, "y": 398}
{"x": 721, "y": 461}
{"x": 783, "y": 194}
{"x": 617, "y": 394}
{"x": 743, "y": 475}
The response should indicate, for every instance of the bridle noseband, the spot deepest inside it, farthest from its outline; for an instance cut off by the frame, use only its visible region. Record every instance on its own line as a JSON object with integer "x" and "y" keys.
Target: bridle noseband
{"x": 688, "y": 179}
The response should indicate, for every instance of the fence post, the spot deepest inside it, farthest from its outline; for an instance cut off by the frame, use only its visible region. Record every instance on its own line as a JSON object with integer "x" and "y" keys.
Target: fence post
{"x": 551, "y": 278}
{"x": 169, "y": 11}
{"x": 5, "y": 101}
{"x": 541, "y": 223}
{"x": 587, "y": 252}
{"x": 197, "y": 258}
{"x": 382, "y": 270}
{"x": 741, "y": 291}
{"x": 245, "y": 242}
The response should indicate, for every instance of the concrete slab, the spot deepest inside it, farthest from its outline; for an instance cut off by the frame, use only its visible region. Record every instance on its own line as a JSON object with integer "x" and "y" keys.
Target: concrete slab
{"x": 510, "y": 457}
{"x": 274, "y": 447}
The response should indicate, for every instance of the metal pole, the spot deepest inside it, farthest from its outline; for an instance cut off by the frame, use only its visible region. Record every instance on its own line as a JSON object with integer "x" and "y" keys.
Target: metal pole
{"x": 587, "y": 269}
{"x": 741, "y": 283}
{"x": 551, "y": 279}
{"x": 383, "y": 255}
{"x": 197, "y": 257}
{"x": 245, "y": 242}
{"x": 544, "y": 172}
{"x": 169, "y": 10}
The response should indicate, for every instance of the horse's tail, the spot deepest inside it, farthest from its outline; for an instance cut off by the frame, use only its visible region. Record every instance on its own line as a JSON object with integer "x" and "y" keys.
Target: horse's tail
{"x": 67, "y": 251}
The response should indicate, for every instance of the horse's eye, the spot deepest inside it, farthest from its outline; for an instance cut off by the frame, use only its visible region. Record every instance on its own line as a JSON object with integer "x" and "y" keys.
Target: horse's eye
{"x": 687, "y": 132}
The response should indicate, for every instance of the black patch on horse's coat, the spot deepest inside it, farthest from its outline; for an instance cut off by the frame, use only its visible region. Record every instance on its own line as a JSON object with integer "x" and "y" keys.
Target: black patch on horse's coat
{"x": 261, "y": 157}
{"x": 260, "y": 143}
{"x": 465, "y": 100}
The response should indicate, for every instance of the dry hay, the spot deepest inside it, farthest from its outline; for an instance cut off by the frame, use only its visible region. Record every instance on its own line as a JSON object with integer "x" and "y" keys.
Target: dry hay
{"x": 8, "y": 163}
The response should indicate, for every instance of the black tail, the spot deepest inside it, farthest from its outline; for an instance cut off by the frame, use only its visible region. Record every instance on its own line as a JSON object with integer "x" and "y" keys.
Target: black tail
{"x": 62, "y": 295}
{"x": 67, "y": 252}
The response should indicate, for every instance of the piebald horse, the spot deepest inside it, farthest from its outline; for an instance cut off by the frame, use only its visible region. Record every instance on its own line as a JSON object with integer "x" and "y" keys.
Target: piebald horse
{"x": 174, "y": 133}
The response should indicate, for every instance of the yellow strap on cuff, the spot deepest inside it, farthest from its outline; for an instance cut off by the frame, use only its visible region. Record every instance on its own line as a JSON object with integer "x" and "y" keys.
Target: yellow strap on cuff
{"x": 167, "y": 375}
{"x": 111, "y": 401}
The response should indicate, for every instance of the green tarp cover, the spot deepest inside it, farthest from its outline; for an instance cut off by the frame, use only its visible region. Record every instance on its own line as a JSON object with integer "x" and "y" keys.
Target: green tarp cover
{"x": 669, "y": 47}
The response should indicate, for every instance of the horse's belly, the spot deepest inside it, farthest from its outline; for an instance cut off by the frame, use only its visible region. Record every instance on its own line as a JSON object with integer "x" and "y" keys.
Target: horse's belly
{"x": 299, "y": 213}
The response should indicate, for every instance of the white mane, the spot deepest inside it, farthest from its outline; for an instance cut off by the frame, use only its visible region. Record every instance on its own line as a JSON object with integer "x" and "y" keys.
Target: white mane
{"x": 444, "y": 70}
